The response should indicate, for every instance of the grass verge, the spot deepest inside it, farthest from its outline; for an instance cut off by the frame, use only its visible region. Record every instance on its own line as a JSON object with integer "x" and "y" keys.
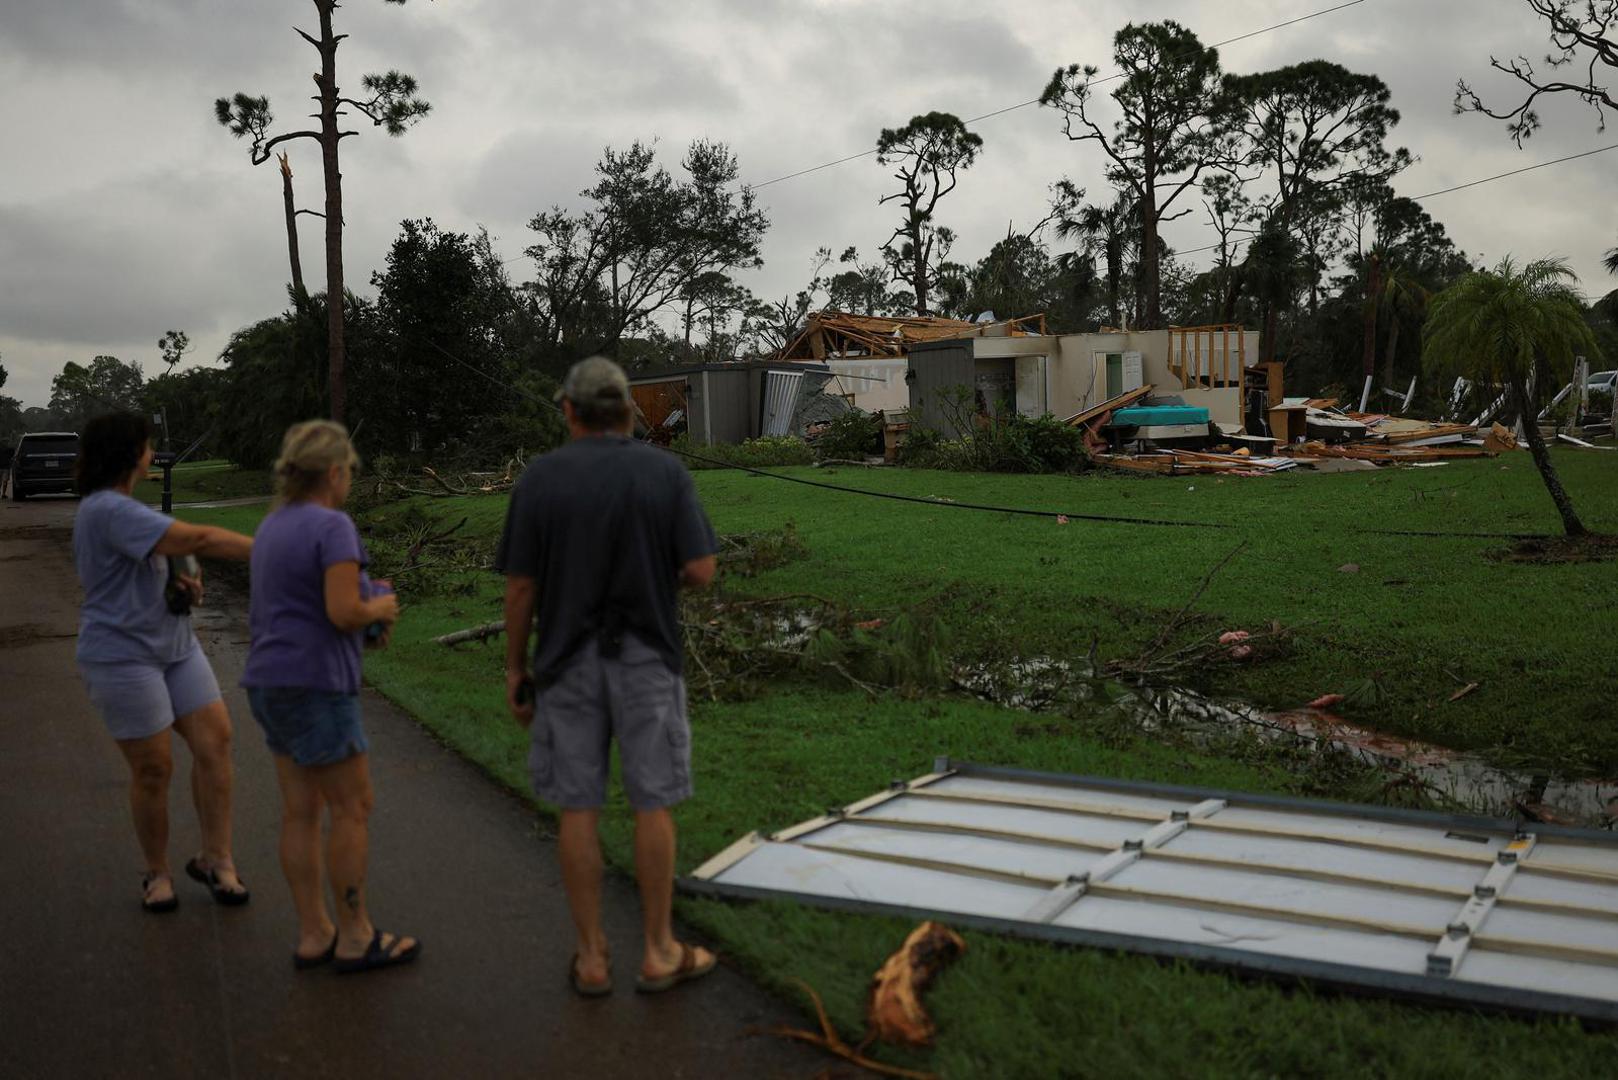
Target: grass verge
{"x": 1417, "y": 617}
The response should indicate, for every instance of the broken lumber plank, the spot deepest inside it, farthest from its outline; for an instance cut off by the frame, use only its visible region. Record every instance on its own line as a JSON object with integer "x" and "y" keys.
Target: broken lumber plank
{"x": 1121, "y": 401}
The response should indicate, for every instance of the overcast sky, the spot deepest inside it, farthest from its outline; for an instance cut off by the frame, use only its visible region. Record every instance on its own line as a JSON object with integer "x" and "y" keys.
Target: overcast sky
{"x": 125, "y": 210}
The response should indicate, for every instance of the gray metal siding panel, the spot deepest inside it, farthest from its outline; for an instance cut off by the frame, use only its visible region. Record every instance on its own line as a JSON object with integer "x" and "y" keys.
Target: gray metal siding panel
{"x": 732, "y": 422}
{"x": 933, "y": 370}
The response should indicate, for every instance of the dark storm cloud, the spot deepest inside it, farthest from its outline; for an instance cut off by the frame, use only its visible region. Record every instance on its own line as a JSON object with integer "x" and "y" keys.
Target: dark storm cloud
{"x": 126, "y": 210}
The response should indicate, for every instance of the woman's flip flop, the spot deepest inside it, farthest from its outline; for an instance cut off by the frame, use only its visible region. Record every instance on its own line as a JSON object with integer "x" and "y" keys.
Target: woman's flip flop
{"x": 304, "y": 963}
{"x": 377, "y": 955}
{"x": 221, "y": 895}
{"x": 156, "y": 907}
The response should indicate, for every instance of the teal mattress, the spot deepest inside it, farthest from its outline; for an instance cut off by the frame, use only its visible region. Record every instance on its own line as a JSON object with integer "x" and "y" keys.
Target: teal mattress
{"x": 1159, "y": 416}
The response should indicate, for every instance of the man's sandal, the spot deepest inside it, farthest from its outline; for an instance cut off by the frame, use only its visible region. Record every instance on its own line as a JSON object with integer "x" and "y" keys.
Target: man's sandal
{"x": 587, "y": 989}
{"x": 157, "y": 907}
{"x": 689, "y": 969}
{"x": 377, "y": 955}
{"x": 209, "y": 876}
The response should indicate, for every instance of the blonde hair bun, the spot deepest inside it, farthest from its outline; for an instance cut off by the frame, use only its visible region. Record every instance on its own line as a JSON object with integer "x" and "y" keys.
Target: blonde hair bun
{"x": 308, "y": 452}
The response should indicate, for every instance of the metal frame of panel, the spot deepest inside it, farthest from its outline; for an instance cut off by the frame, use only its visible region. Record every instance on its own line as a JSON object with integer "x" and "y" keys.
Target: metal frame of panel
{"x": 1448, "y": 944}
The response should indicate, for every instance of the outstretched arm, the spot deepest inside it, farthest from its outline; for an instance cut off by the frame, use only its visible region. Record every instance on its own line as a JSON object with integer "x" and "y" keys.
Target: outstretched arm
{"x": 206, "y": 541}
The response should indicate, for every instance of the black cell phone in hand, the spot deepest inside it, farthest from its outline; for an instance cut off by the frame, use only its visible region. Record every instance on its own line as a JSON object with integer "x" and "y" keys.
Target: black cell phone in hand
{"x": 525, "y": 692}
{"x": 175, "y": 595}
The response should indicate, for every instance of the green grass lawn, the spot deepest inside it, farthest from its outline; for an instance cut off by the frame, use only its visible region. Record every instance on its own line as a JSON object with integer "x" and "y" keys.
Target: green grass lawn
{"x": 1421, "y": 616}
{"x": 1418, "y": 617}
{"x": 207, "y": 481}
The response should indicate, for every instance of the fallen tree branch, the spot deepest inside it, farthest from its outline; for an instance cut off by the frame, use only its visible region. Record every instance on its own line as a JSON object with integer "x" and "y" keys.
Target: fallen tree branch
{"x": 475, "y": 633}
{"x": 845, "y": 461}
{"x": 828, "y": 1039}
{"x": 413, "y": 556}
{"x": 1174, "y": 623}
{"x": 441, "y": 482}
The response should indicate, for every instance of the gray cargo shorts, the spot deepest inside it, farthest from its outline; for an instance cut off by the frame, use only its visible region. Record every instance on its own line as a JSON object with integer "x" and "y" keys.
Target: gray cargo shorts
{"x": 633, "y": 698}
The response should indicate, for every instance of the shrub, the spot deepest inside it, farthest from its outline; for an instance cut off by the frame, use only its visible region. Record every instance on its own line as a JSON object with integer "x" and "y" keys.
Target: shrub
{"x": 1015, "y": 445}
{"x": 754, "y": 453}
{"x": 854, "y": 434}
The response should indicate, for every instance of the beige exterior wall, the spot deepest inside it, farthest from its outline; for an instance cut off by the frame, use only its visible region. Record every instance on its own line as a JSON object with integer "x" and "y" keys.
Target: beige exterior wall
{"x": 1076, "y": 383}
{"x": 873, "y": 383}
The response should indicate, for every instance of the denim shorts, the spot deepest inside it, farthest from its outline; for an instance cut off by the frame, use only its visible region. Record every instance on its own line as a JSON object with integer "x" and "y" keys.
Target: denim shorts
{"x": 138, "y": 700}
{"x": 632, "y": 699}
{"x": 312, "y": 727}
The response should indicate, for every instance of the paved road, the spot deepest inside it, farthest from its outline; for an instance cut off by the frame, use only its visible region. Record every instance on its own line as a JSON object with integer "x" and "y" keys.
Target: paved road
{"x": 92, "y": 986}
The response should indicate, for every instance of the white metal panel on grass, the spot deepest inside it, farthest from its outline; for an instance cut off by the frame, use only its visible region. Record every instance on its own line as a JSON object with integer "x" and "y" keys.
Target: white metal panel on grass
{"x": 1437, "y": 906}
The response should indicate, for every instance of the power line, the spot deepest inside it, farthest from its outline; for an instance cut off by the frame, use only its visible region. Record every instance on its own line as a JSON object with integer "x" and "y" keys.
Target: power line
{"x": 1443, "y": 191}
{"x": 1035, "y": 101}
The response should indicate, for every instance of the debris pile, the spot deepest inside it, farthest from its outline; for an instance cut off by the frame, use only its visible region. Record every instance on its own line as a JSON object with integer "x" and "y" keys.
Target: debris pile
{"x": 1138, "y": 432}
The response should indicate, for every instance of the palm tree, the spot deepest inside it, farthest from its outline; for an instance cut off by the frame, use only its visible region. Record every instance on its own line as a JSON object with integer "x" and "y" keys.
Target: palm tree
{"x": 1108, "y": 231}
{"x": 1520, "y": 326}
{"x": 1402, "y": 295}
{"x": 1273, "y": 271}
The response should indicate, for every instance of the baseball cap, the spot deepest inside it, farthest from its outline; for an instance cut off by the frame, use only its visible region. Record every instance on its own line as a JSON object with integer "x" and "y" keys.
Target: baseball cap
{"x": 592, "y": 379}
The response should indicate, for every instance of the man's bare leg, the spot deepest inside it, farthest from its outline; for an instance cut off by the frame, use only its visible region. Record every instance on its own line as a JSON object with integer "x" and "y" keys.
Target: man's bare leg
{"x": 654, "y": 870}
{"x": 579, "y": 845}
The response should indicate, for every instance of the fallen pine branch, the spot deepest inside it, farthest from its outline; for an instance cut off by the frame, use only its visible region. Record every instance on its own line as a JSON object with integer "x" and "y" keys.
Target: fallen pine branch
{"x": 475, "y": 633}
{"x": 441, "y": 482}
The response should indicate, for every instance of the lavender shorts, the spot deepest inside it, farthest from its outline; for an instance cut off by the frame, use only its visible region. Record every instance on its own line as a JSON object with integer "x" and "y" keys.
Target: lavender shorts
{"x": 139, "y": 700}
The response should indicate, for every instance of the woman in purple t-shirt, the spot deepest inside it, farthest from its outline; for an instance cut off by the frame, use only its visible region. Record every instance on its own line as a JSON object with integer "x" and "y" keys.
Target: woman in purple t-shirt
{"x": 311, "y": 608}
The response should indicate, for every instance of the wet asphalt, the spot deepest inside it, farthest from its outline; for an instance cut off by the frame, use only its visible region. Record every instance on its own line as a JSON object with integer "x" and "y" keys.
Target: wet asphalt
{"x": 92, "y": 986}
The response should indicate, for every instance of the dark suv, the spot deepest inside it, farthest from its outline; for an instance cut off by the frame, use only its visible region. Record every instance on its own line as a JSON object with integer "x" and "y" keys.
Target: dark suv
{"x": 43, "y": 463}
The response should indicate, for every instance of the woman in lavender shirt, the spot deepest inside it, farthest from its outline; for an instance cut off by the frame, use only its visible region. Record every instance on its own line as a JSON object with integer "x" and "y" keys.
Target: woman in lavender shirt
{"x": 310, "y": 610}
{"x": 140, "y": 659}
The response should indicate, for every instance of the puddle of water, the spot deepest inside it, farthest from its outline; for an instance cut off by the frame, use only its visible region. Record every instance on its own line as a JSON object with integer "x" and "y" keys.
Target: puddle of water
{"x": 1465, "y": 780}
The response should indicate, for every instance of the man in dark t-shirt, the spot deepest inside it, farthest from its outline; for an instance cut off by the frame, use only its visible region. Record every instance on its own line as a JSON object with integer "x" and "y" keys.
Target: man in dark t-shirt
{"x": 599, "y": 538}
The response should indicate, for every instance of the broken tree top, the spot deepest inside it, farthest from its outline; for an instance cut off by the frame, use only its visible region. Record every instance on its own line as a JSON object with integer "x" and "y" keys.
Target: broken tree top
{"x": 1425, "y": 905}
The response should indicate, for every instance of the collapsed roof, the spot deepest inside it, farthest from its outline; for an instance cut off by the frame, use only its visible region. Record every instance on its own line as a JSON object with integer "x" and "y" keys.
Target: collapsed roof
{"x": 840, "y": 333}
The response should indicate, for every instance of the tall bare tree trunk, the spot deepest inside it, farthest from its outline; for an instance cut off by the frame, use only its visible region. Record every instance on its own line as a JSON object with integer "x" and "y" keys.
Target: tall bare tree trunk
{"x": 1373, "y": 293}
{"x": 918, "y": 268}
{"x": 1115, "y": 279}
{"x": 1391, "y": 359}
{"x": 1151, "y": 270}
{"x": 1542, "y": 459}
{"x": 292, "y": 225}
{"x": 330, "y": 136}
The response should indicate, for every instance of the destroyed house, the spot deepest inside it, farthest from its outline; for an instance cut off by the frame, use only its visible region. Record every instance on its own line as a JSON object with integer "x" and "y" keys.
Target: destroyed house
{"x": 731, "y": 403}
{"x": 1213, "y": 368}
{"x": 868, "y": 354}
